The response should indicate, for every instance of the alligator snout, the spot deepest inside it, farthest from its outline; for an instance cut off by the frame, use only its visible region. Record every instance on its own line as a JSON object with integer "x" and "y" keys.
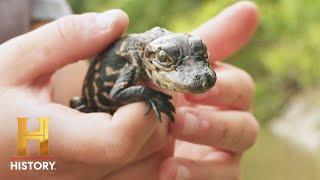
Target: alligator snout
{"x": 203, "y": 82}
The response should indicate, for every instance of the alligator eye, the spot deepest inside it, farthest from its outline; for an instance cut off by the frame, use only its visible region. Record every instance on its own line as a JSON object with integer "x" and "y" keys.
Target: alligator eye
{"x": 164, "y": 61}
{"x": 196, "y": 47}
{"x": 173, "y": 52}
{"x": 162, "y": 56}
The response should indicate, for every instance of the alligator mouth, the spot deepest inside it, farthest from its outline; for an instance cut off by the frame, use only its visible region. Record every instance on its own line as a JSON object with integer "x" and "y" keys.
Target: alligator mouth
{"x": 197, "y": 84}
{"x": 190, "y": 89}
{"x": 191, "y": 79}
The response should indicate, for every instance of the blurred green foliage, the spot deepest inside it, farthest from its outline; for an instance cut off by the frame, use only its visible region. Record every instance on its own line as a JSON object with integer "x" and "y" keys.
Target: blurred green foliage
{"x": 281, "y": 57}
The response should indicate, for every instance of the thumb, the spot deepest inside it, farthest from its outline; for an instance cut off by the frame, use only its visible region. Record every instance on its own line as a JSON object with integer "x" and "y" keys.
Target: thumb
{"x": 66, "y": 40}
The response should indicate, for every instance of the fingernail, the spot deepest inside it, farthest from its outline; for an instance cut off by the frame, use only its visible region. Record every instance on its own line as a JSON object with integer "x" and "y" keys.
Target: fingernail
{"x": 108, "y": 18}
{"x": 191, "y": 124}
{"x": 183, "y": 173}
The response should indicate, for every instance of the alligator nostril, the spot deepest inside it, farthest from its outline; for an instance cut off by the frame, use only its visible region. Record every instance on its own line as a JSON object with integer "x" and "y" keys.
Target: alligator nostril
{"x": 209, "y": 79}
{"x": 197, "y": 77}
{"x": 207, "y": 75}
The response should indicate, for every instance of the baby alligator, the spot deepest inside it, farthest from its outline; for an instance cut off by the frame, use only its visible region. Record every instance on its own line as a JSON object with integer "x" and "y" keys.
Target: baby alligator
{"x": 173, "y": 61}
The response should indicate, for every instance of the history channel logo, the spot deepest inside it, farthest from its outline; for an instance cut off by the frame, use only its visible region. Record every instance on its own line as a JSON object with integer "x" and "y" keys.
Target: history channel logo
{"x": 23, "y": 162}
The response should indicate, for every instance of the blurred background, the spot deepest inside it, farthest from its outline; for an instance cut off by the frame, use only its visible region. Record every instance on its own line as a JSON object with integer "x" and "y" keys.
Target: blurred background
{"x": 283, "y": 60}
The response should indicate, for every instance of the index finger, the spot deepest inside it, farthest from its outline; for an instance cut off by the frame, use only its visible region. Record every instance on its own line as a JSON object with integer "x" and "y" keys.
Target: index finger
{"x": 233, "y": 131}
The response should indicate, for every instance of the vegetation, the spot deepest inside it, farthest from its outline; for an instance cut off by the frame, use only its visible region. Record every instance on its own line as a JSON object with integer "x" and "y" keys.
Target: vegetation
{"x": 282, "y": 57}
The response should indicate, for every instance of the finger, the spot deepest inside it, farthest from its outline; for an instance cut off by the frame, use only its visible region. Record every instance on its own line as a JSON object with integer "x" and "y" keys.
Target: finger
{"x": 234, "y": 89}
{"x": 99, "y": 137}
{"x": 146, "y": 168}
{"x": 131, "y": 120}
{"x": 194, "y": 151}
{"x": 159, "y": 140}
{"x": 205, "y": 169}
{"x": 230, "y": 30}
{"x": 44, "y": 50}
{"x": 233, "y": 131}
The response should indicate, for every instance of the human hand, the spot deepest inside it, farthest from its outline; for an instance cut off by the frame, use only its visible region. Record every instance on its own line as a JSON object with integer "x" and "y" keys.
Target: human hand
{"x": 219, "y": 158}
{"x": 84, "y": 146}
{"x": 215, "y": 128}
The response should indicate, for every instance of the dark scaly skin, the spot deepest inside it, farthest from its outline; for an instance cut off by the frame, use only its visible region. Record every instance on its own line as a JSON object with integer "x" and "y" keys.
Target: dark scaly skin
{"x": 174, "y": 61}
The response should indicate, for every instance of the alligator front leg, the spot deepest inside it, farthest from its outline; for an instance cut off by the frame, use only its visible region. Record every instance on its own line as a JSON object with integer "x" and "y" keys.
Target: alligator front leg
{"x": 125, "y": 91}
{"x": 159, "y": 101}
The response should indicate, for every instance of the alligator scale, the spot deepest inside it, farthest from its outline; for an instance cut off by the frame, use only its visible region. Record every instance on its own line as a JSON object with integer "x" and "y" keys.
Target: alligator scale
{"x": 173, "y": 61}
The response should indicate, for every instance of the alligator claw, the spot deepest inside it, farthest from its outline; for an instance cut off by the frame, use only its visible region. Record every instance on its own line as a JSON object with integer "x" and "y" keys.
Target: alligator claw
{"x": 169, "y": 114}
{"x": 156, "y": 110}
{"x": 148, "y": 108}
{"x": 160, "y": 103}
